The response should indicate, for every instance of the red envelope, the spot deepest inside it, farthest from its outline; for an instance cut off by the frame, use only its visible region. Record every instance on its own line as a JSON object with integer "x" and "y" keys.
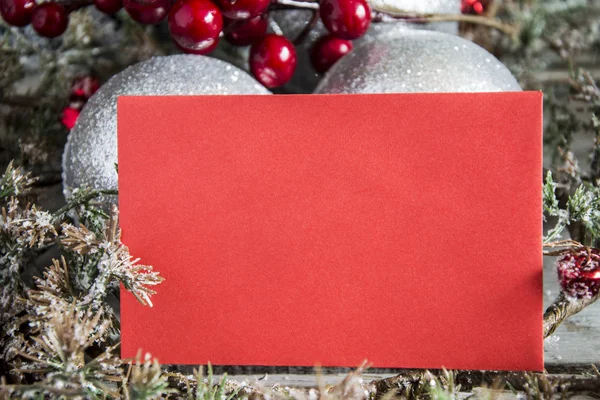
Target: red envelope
{"x": 326, "y": 229}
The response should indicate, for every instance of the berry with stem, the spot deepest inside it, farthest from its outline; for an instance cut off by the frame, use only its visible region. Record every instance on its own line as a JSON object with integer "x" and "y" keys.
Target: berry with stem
{"x": 17, "y": 12}
{"x": 273, "y": 60}
{"x": 50, "y": 19}
{"x": 347, "y": 19}
{"x": 327, "y": 51}
{"x": 195, "y": 25}
{"x": 147, "y": 12}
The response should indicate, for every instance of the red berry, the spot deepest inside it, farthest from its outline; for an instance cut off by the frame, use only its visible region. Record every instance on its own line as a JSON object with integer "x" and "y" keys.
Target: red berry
{"x": 327, "y": 50}
{"x": 579, "y": 273}
{"x": 474, "y": 6}
{"x": 84, "y": 87}
{"x": 195, "y": 25}
{"x": 347, "y": 19}
{"x": 69, "y": 117}
{"x": 244, "y": 33}
{"x": 16, "y": 12}
{"x": 273, "y": 60}
{"x": 243, "y": 9}
{"x": 108, "y": 6}
{"x": 49, "y": 19}
{"x": 147, "y": 11}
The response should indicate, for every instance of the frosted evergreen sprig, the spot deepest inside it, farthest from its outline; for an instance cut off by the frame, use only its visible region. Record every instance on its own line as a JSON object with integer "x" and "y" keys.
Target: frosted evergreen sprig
{"x": 14, "y": 182}
{"x": 114, "y": 263}
{"x": 26, "y": 226}
{"x": 582, "y": 206}
{"x": 59, "y": 353}
{"x": 145, "y": 379}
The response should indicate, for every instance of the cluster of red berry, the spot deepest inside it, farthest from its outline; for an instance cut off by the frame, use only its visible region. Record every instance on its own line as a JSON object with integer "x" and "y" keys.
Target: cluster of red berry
{"x": 81, "y": 91}
{"x": 197, "y": 25}
{"x": 579, "y": 273}
{"x": 474, "y": 6}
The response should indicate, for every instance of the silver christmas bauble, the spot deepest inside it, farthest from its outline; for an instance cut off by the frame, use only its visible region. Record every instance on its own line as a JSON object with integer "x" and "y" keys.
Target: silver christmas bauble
{"x": 90, "y": 154}
{"x": 418, "y": 61}
{"x": 417, "y": 6}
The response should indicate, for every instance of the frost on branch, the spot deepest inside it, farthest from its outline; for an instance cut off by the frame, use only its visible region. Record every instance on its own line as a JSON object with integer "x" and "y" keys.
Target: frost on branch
{"x": 59, "y": 352}
{"x": 115, "y": 264}
{"x": 53, "y": 292}
{"x": 582, "y": 206}
{"x": 14, "y": 182}
{"x": 146, "y": 379}
{"x": 23, "y": 231}
{"x": 28, "y": 226}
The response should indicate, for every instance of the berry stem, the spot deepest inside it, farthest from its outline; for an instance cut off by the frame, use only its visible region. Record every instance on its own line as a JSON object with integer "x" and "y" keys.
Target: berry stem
{"x": 89, "y": 196}
{"x": 508, "y": 29}
{"x": 415, "y": 18}
{"x": 561, "y": 309}
{"x": 295, "y": 4}
{"x": 307, "y": 28}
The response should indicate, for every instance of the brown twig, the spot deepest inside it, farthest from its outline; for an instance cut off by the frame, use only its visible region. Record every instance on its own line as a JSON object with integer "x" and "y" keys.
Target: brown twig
{"x": 307, "y": 28}
{"x": 561, "y": 309}
{"x": 564, "y": 307}
{"x": 19, "y": 101}
{"x": 416, "y": 18}
{"x": 510, "y": 30}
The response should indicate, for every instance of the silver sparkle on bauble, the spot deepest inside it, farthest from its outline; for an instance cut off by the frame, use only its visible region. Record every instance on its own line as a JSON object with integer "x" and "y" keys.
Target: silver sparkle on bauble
{"x": 418, "y": 61}
{"x": 417, "y": 6}
{"x": 91, "y": 152}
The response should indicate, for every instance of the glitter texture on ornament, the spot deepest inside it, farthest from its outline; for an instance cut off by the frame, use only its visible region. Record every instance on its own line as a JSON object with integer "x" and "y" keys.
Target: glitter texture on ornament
{"x": 418, "y": 61}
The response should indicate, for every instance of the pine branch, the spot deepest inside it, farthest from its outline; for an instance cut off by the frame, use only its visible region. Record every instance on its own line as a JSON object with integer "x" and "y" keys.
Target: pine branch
{"x": 81, "y": 200}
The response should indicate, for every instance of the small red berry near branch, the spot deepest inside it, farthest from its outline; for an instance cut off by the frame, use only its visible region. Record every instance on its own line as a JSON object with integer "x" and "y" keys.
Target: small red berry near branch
{"x": 69, "y": 117}
{"x": 327, "y": 51}
{"x": 347, "y": 19}
{"x": 81, "y": 90}
{"x": 579, "y": 273}
{"x": 474, "y": 6}
{"x": 17, "y": 12}
{"x": 273, "y": 60}
{"x": 246, "y": 32}
{"x": 147, "y": 11}
{"x": 49, "y": 19}
{"x": 195, "y": 25}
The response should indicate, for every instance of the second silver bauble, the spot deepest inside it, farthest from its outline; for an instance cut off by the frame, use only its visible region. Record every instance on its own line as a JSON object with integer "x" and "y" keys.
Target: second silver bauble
{"x": 418, "y": 61}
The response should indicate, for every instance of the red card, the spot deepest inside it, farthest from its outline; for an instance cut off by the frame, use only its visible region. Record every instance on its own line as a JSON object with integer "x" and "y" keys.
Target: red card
{"x": 326, "y": 229}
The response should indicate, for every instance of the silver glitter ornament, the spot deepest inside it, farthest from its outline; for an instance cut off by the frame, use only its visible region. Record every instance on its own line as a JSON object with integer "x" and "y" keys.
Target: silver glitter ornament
{"x": 90, "y": 154}
{"x": 418, "y": 61}
{"x": 417, "y": 6}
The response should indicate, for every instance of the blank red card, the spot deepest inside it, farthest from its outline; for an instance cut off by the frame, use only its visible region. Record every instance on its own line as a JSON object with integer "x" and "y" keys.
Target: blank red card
{"x": 326, "y": 229}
